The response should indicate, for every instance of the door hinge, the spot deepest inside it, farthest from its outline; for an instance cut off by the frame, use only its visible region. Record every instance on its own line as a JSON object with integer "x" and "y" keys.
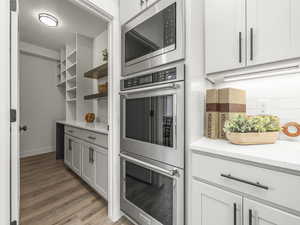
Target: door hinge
{"x": 13, "y": 5}
{"x": 13, "y": 222}
{"x": 13, "y": 115}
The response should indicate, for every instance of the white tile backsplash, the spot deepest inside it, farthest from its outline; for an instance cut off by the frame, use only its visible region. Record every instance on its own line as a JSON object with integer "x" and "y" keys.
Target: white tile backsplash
{"x": 278, "y": 96}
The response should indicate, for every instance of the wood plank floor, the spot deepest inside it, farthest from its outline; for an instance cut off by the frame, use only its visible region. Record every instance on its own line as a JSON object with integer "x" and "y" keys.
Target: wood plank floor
{"x": 53, "y": 195}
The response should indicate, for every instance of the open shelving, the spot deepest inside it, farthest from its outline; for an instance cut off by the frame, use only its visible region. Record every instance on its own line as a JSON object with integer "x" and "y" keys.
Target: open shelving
{"x": 98, "y": 72}
{"x": 95, "y": 96}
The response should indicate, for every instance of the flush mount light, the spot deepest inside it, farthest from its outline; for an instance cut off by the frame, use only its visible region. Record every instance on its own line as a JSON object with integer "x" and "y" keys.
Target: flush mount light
{"x": 48, "y": 20}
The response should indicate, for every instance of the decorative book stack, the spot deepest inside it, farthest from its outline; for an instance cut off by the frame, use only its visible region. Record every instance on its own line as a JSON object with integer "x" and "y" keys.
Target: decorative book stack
{"x": 222, "y": 105}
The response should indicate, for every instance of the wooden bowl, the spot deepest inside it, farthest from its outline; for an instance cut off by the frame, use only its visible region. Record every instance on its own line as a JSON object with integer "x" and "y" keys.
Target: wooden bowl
{"x": 252, "y": 138}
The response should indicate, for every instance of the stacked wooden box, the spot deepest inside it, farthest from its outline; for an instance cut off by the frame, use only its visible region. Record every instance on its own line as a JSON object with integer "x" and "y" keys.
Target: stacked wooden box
{"x": 221, "y": 105}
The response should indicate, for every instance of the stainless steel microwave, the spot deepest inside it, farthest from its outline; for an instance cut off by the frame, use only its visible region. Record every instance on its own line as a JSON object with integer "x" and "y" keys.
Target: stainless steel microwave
{"x": 153, "y": 38}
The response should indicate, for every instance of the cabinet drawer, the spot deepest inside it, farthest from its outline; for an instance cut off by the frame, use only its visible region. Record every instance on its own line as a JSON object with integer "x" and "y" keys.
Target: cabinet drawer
{"x": 72, "y": 131}
{"x": 273, "y": 186}
{"x": 95, "y": 138}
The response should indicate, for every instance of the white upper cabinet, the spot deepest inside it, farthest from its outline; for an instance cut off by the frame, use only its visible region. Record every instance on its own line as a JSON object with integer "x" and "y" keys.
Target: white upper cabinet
{"x": 269, "y": 33}
{"x": 269, "y": 30}
{"x": 259, "y": 214}
{"x": 213, "y": 206}
{"x": 224, "y": 35}
{"x": 128, "y": 9}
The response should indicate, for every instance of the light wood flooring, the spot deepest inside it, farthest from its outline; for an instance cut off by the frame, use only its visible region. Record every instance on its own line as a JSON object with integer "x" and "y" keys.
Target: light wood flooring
{"x": 53, "y": 195}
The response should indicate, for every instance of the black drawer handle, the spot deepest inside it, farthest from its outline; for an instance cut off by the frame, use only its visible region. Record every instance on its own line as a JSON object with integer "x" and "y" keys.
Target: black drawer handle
{"x": 250, "y": 217}
{"x": 70, "y": 131}
{"x": 256, "y": 184}
{"x": 92, "y": 138}
{"x": 234, "y": 213}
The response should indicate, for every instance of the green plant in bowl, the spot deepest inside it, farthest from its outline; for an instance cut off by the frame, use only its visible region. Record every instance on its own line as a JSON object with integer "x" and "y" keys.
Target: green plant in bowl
{"x": 252, "y": 129}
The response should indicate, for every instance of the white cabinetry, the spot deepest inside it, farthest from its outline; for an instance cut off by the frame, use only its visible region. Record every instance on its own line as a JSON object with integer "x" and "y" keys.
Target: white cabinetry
{"x": 88, "y": 163}
{"x": 259, "y": 214}
{"x": 268, "y": 33}
{"x": 211, "y": 205}
{"x": 86, "y": 155}
{"x": 262, "y": 193}
{"x": 101, "y": 171}
{"x": 225, "y": 36}
{"x": 76, "y": 156}
{"x": 68, "y": 151}
{"x": 128, "y": 9}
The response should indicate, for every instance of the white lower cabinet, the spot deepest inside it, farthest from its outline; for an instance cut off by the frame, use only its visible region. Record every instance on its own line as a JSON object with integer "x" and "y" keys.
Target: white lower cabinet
{"x": 259, "y": 214}
{"x": 101, "y": 171}
{"x": 213, "y": 206}
{"x": 68, "y": 151}
{"x": 76, "y": 156}
{"x": 226, "y": 192}
{"x": 87, "y": 160}
{"x": 88, "y": 164}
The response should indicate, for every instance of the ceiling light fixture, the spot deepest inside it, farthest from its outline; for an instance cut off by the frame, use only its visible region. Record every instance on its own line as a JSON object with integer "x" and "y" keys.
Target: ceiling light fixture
{"x": 48, "y": 20}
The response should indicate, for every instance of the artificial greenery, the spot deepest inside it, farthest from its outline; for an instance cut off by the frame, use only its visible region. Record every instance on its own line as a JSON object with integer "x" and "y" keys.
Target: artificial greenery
{"x": 252, "y": 124}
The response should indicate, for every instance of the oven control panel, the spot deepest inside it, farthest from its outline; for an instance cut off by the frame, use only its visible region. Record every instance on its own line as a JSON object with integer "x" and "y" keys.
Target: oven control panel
{"x": 151, "y": 78}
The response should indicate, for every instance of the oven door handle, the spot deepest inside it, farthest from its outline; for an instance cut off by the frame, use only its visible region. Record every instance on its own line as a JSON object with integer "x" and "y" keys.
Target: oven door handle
{"x": 164, "y": 86}
{"x": 171, "y": 173}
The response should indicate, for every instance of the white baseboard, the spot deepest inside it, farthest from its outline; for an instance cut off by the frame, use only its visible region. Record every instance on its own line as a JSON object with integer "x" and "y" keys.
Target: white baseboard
{"x": 36, "y": 151}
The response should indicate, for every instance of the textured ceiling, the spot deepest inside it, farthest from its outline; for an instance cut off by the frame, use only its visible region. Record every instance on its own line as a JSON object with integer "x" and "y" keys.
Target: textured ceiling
{"x": 71, "y": 18}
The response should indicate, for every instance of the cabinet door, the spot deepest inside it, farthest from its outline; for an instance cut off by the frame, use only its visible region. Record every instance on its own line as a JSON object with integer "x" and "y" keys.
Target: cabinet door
{"x": 269, "y": 30}
{"x": 259, "y": 214}
{"x": 76, "y": 156}
{"x": 128, "y": 9}
{"x": 88, "y": 169}
{"x": 150, "y": 2}
{"x": 213, "y": 206}
{"x": 68, "y": 151}
{"x": 101, "y": 171}
{"x": 225, "y": 35}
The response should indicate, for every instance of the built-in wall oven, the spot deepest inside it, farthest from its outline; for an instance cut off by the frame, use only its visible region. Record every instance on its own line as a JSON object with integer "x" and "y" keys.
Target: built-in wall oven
{"x": 152, "y": 114}
{"x": 152, "y": 193}
{"x": 154, "y": 38}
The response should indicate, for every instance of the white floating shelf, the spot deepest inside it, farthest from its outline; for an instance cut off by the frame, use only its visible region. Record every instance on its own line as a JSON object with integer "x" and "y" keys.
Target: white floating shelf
{"x": 71, "y": 100}
{"x": 72, "y": 89}
{"x": 71, "y": 66}
{"x": 73, "y": 78}
{"x": 61, "y": 83}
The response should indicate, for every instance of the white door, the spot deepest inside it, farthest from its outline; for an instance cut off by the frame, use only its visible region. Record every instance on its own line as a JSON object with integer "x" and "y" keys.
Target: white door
{"x": 128, "y": 9}
{"x": 269, "y": 30}
{"x": 101, "y": 171}
{"x": 88, "y": 160}
{"x": 225, "y": 35}
{"x": 259, "y": 214}
{"x": 213, "y": 206}
{"x": 76, "y": 156}
{"x": 68, "y": 151}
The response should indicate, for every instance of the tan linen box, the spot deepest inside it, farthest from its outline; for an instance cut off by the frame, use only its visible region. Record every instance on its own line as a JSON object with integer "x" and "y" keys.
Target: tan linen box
{"x": 232, "y": 102}
{"x": 212, "y": 114}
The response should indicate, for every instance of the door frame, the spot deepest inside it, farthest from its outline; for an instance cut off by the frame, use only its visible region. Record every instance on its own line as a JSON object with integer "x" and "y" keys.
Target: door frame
{"x": 5, "y": 112}
{"x": 114, "y": 72}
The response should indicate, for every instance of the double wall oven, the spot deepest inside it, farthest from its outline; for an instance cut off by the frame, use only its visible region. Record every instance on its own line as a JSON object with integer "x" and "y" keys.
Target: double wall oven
{"x": 152, "y": 115}
{"x": 152, "y": 146}
{"x": 153, "y": 38}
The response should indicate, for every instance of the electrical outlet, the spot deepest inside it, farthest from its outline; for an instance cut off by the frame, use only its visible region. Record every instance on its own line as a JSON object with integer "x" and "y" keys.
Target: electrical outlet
{"x": 263, "y": 106}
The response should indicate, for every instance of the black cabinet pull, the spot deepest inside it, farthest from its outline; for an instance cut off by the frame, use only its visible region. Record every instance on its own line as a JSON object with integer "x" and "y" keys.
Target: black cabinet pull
{"x": 257, "y": 184}
{"x": 70, "y": 145}
{"x": 92, "y": 138}
{"x": 240, "y": 47}
{"x": 250, "y": 217}
{"x": 234, "y": 213}
{"x": 91, "y": 155}
{"x": 251, "y": 43}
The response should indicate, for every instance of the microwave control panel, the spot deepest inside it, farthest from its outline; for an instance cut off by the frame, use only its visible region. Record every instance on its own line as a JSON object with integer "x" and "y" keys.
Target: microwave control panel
{"x": 152, "y": 78}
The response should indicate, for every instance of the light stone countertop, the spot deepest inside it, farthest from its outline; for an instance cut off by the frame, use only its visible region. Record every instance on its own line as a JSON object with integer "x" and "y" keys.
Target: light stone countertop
{"x": 283, "y": 154}
{"x": 95, "y": 127}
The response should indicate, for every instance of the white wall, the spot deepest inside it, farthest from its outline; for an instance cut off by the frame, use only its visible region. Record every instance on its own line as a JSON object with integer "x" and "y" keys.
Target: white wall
{"x": 101, "y": 105}
{"x": 277, "y": 95}
{"x": 42, "y": 104}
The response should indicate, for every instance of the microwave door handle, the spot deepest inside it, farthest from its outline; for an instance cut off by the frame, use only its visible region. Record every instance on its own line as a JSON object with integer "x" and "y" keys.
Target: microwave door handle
{"x": 165, "y": 86}
{"x": 171, "y": 173}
